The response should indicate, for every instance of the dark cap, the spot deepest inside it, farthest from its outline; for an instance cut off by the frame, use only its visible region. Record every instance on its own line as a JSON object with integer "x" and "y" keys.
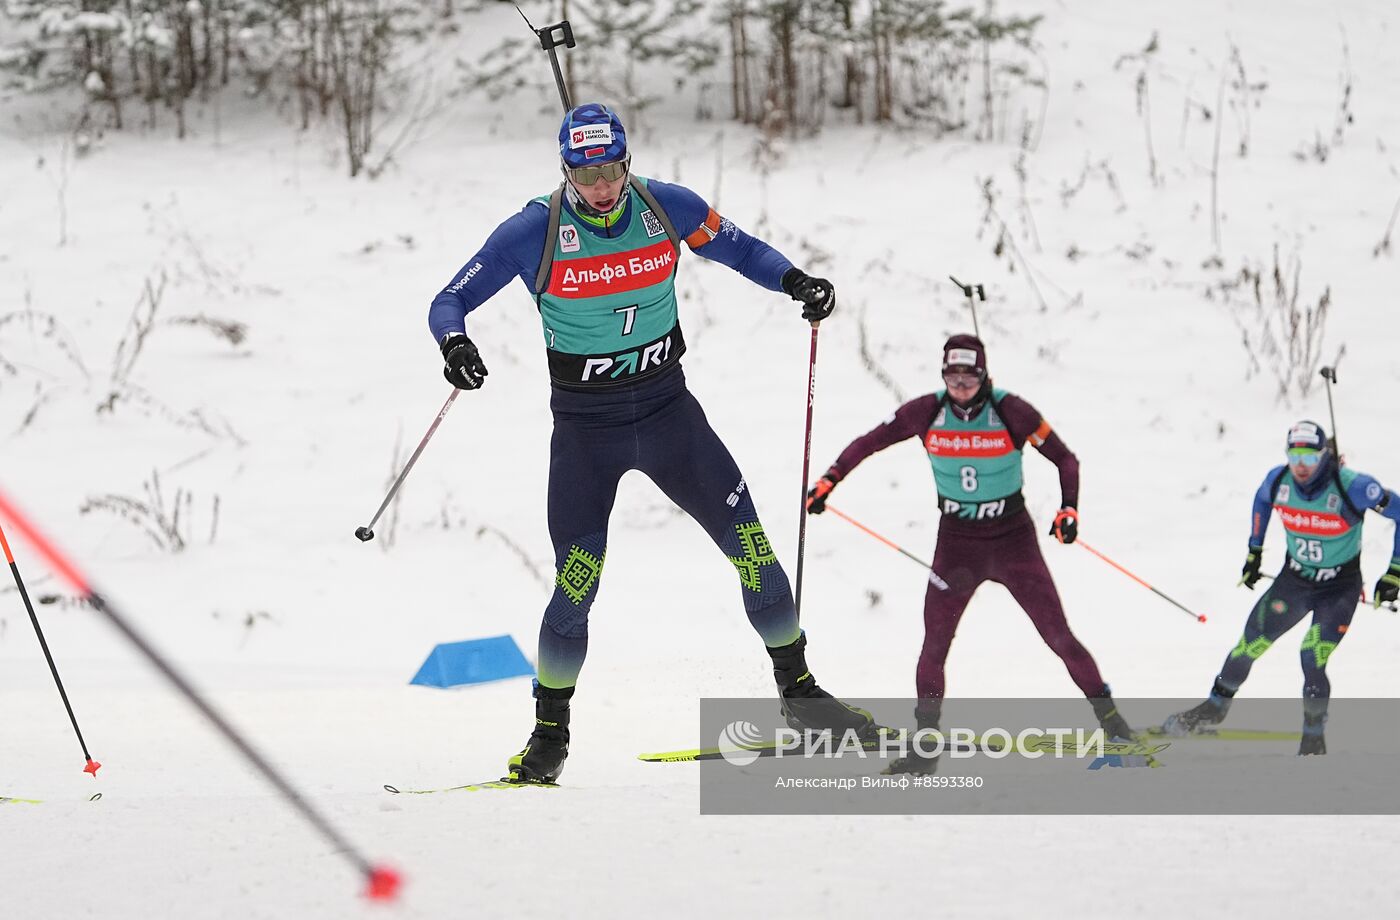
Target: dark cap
{"x": 964, "y": 350}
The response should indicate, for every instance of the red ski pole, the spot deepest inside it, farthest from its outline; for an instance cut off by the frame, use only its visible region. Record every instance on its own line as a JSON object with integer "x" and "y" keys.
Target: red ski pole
{"x": 1200, "y": 617}
{"x": 381, "y": 882}
{"x": 885, "y": 540}
{"x": 92, "y": 766}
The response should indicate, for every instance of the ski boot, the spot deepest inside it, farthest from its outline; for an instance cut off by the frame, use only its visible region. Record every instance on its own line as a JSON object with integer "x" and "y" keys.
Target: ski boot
{"x": 542, "y": 760}
{"x": 1197, "y": 718}
{"x": 1313, "y": 742}
{"x": 926, "y": 716}
{"x": 1110, "y": 719}
{"x": 806, "y": 706}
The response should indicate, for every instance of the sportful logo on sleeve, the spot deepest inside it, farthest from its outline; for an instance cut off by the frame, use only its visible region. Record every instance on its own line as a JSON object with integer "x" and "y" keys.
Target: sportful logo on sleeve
{"x": 462, "y": 282}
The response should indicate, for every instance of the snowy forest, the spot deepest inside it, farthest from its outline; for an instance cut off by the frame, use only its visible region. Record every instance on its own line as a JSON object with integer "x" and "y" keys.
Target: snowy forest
{"x": 784, "y": 67}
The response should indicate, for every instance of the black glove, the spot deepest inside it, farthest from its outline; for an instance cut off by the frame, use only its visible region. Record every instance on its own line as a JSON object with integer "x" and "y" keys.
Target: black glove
{"x": 1065, "y": 527}
{"x": 816, "y": 496}
{"x": 817, "y": 295}
{"x": 1249, "y": 575}
{"x": 464, "y": 369}
{"x": 1387, "y": 590}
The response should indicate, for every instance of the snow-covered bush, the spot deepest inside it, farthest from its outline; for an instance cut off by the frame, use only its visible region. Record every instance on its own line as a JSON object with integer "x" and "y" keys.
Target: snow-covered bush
{"x": 326, "y": 57}
{"x": 786, "y": 64}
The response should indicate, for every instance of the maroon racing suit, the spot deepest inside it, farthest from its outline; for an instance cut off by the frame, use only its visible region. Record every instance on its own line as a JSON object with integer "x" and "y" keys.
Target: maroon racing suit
{"x": 1000, "y": 547}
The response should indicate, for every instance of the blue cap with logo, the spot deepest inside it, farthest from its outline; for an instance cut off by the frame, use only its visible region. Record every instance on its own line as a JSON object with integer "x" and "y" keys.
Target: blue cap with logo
{"x": 1308, "y": 435}
{"x": 590, "y": 134}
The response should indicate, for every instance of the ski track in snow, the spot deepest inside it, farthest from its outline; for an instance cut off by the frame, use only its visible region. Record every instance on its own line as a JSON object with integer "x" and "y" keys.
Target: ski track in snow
{"x": 306, "y": 638}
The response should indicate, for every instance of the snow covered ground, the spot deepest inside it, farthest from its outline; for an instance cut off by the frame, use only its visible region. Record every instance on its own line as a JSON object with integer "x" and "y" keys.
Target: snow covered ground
{"x": 285, "y": 441}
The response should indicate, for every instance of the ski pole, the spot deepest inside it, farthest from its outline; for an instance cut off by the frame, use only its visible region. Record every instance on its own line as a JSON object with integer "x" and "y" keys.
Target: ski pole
{"x": 381, "y": 882}
{"x": 366, "y": 533}
{"x": 92, "y": 766}
{"x": 1330, "y": 375}
{"x": 885, "y": 540}
{"x": 806, "y": 468}
{"x": 551, "y": 37}
{"x": 968, "y": 290}
{"x": 1200, "y": 617}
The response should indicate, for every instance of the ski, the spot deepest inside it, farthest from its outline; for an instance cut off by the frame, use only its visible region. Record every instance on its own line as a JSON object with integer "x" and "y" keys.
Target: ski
{"x": 9, "y": 800}
{"x": 1047, "y": 744}
{"x": 1228, "y": 734}
{"x": 1044, "y": 744}
{"x": 769, "y": 749}
{"x": 472, "y": 787}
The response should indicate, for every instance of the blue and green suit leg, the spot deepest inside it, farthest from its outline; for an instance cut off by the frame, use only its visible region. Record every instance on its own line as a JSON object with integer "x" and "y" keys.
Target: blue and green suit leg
{"x": 584, "y": 470}
{"x": 688, "y": 461}
{"x": 1288, "y": 600}
{"x": 676, "y": 447}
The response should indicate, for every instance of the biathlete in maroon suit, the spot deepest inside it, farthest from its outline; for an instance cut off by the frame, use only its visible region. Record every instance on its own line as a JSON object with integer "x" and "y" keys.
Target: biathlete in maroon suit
{"x": 973, "y": 435}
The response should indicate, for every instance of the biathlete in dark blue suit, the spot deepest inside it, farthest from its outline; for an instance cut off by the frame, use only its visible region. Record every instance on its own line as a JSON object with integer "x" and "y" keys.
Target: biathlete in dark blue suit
{"x": 599, "y": 257}
{"x": 1321, "y": 504}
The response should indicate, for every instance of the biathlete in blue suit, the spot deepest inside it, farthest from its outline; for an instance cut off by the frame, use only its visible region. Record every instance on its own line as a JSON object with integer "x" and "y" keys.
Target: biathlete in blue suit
{"x": 1321, "y": 504}
{"x": 599, "y": 257}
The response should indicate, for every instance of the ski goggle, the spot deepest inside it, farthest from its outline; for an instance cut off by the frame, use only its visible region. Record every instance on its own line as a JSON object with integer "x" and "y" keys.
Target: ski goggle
{"x": 1304, "y": 456}
{"x": 962, "y": 379}
{"x": 589, "y": 175}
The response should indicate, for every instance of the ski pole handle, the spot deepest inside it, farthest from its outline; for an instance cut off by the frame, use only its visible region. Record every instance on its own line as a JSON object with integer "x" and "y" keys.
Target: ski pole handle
{"x": 561, "y": 33}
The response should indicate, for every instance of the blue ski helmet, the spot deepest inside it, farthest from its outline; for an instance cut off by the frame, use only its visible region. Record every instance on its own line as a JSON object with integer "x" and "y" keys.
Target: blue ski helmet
{"x": 591, "y": 134}
{"x": 1307, "y": 434}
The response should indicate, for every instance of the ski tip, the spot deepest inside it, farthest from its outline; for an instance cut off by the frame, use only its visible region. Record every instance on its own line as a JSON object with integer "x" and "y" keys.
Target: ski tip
{"x": 92, "y": 767}
{"x": 1201, "y": 618}
{"x": 388, "y": 788}
{"x": 94, "y": 797}
{"x": 382, "y": 883}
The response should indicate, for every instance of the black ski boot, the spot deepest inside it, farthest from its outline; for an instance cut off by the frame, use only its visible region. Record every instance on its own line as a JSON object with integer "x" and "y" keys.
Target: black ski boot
{"x": 1313, "y": 742}
{"x": 926, "y": 716}
{"x": 807, "y": 706}
{"x": 1197, "y": 718}
{"x": 1110, "y": 719}
{"x": 542, "y": 760}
